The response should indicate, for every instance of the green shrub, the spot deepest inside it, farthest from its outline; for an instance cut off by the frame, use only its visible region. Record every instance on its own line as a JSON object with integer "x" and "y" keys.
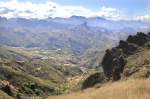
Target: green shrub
{"x": 61, "y": 89}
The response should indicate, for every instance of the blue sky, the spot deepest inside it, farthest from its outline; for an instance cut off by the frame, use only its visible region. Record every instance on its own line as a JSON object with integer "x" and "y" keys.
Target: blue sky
{"x": 121, "y": 9}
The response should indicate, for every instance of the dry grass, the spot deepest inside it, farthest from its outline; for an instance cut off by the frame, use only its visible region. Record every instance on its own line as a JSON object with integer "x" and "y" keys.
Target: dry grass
{"x": 4, "y": 95}
{"x": 131, "y": 89}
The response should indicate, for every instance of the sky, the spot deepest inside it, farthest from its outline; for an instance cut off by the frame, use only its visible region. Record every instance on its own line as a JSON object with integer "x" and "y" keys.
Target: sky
{"x": 41, "y": 9}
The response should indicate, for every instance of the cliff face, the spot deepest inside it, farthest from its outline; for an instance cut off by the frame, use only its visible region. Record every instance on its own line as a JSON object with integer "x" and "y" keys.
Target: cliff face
{"x": 131, "y": 58}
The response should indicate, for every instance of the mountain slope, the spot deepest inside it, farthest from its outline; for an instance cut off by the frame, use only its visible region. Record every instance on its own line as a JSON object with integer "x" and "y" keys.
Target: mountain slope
{"x": 22, "y": 76}
{"x": 138, "y": 65}
{"x": 126, "y": 70}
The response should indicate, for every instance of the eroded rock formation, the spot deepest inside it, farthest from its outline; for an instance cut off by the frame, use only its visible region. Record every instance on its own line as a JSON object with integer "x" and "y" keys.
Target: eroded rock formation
{"x": 113, "y": 63}
{"x": 114, "y": 60}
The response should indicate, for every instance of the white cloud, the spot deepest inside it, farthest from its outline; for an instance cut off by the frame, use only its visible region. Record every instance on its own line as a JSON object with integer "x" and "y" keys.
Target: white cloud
{"x": 143, "y": 18}
{"x": 108, "y": 12}
{"x": 14, "y": 8}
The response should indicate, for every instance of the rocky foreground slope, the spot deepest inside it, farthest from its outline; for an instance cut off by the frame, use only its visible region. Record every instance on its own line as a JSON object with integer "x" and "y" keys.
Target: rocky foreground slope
{"x": 130, "y": 59}
{"x": 126, "y": 72}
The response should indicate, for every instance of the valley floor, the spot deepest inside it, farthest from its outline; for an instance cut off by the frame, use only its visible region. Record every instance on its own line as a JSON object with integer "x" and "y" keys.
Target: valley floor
{"x": 130, "y": 89}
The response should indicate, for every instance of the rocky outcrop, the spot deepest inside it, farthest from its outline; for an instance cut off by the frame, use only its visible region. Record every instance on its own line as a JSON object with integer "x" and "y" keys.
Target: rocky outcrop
{"x": 93, "y": 79}
{"x": 127, "y": 48}
{"x": 129, "y": 58}
{"x": 113, "y": 63}
{"x": 139, "y": 39}
{"x": 114, "y": 60}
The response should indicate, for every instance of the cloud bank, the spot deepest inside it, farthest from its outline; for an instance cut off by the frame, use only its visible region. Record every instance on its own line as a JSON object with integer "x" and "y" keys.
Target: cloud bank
{"x": 15, "y": 9}
{"x": 143, "y": 18}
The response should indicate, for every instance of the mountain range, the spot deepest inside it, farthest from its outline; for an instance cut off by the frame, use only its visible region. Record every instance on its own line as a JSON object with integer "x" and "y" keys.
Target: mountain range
{"x": 59, "y": 55}
{"x": 81, "y": 36}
